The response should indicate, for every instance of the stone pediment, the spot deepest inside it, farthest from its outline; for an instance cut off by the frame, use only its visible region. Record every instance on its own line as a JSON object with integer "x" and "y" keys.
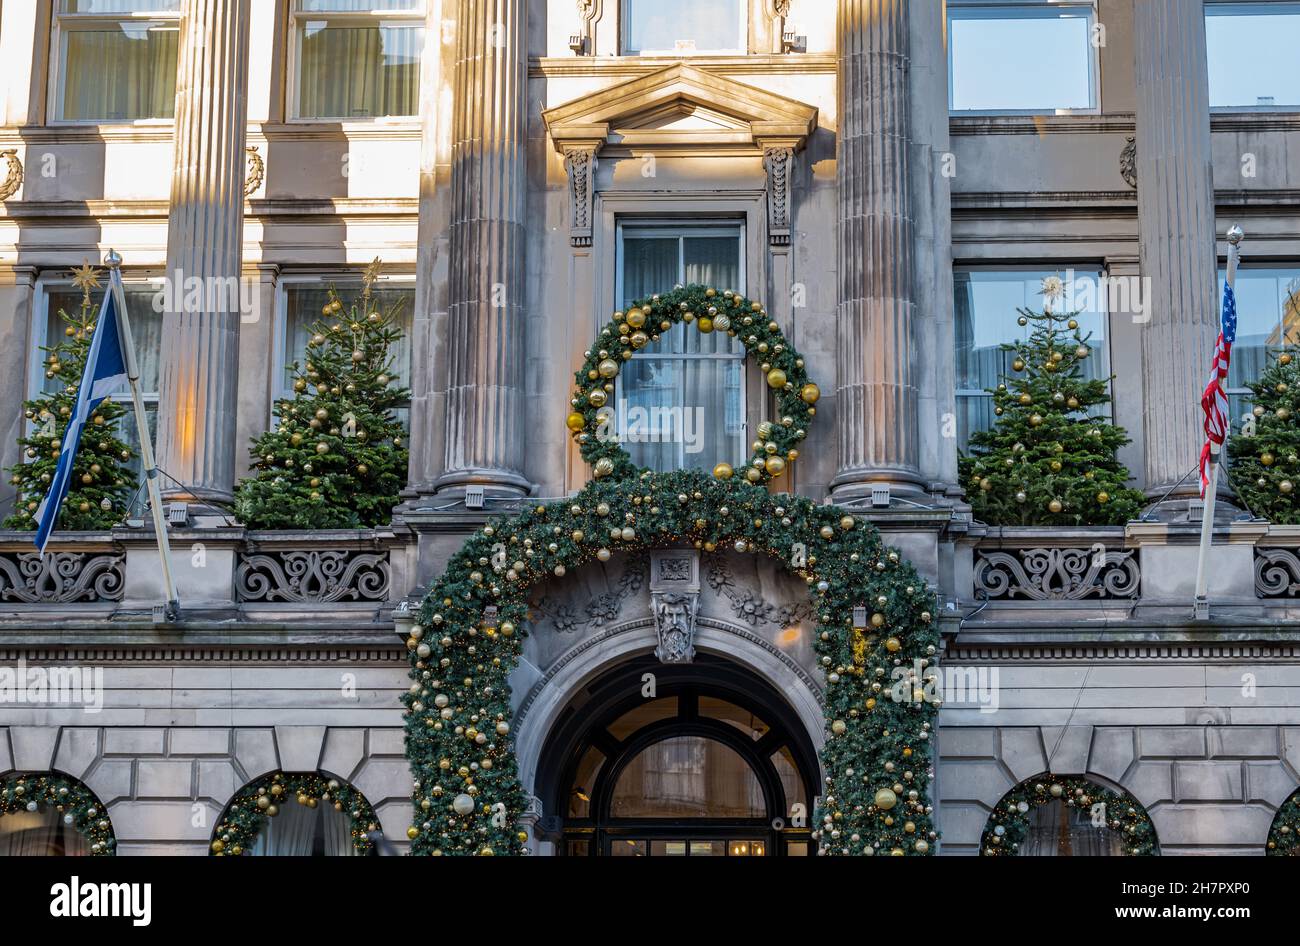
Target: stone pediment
{"x": 681, "y": 107}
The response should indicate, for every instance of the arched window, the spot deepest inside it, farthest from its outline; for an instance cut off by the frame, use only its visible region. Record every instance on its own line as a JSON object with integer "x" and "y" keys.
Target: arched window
{"x": 297, "y": 814}
{"x": 1067, "y": 816}
{"x": 714, "y": 764}
{"x": 1284, "y": 835}
{"x": 52, "y": 815}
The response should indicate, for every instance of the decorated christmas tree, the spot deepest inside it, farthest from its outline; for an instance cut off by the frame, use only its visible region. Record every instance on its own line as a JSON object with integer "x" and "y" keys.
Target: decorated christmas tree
{"x": 337, "y": 458}
{"x": 1047, "y": 460}
{"x": 101, "y": 484}
{"x": 1266, "y": 454}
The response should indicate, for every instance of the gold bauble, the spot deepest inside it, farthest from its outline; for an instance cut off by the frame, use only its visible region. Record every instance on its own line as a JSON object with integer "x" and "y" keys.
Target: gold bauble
{"x": 604, "y": 466}
{"x": 809, "y": 393}
{"x": 1103, "y": 497}
{"x": 1026, "y": 399}
{"x": 636, "y": 318}
{"x": 886, "y": 799}
{"x": 575, "y": 421}
{"x": 1056, "y": 466}
{"x": 775, "y": 466}
{"x": 776, "y": 379}
{"x": 893, "y": 645}
{"x": 1285, "y": 486}
{"x": 1055, "y": 505}
{"x": 1266, "y": 459}
{"x": 412, "y": 832}
{"x": 1018, "y": 364}
{"x": 1284, "y": 359}
{"x": 986, "y": 484}
{"x": 640, "y": 339}
{"x": 1283, "y": 413}
{"x": 723, "y": 471}
{"x": 608, "y": 368}
{"x": 705, "y": 324}
{"x": 1035, "y": 420}
{"x": 597, "y": 397}
{"x": 322, "y": 447}
{"x": 1072, "y": 403}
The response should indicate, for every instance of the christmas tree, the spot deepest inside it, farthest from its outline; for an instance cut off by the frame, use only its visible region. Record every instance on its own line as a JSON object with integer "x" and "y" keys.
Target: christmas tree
{"x": 336, "y": 460}
{"x": 101, "y": 485}
{"x": 1047, "y": 461}
{"x": 1266, "y": 454}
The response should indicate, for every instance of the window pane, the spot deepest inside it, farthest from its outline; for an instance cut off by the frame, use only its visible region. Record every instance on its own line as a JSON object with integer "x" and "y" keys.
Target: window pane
{"x": 40, "y": 833}
{"x": 1251, "y": 53}
{"x": 688, "y": 777}
{"x": 303, "y": 303}
{"x": 665, "y": 707}
{"x": 358, "y": 6}
{"x": 583, "y": 780}
{"x": 1268, "y": 316}
{"x": 146, "y": 327}
{"x": 1008, "y": 60}
{"x": 359, "y": 71}
{"x": 626, "y": 848}
{"x": 987, "y": 305}
{"x": 710, "y": 707}
{"x": 120, "y": 73}
{"x": 1059, "y": 830}
{"x": 682, "y": 26}
{"x": 121, "y": 6}
{"x": 791, "y": 780}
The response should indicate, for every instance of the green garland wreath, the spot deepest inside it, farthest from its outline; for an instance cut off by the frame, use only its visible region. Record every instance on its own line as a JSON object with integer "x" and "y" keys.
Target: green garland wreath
{"x": 467, "y": 796}
{"x": 710, "y": 311}
{"x": 79, "y": 807}
{"x": 248, "y": 811}
{"x": 1009, "y": 823}
{"x": 1284, "y": 833}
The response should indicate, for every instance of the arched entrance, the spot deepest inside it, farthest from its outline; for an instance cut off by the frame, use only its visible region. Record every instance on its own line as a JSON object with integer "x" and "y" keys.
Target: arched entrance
{"x": 711, "y": 762}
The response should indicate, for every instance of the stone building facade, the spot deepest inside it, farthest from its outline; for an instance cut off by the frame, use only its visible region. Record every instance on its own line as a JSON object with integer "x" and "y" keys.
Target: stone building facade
{"x": 536, "y": 143}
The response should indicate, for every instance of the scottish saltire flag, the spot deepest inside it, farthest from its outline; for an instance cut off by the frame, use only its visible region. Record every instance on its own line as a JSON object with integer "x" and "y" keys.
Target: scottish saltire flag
{"x": 1214, "y": 402}
{"x": 105, "y": 372}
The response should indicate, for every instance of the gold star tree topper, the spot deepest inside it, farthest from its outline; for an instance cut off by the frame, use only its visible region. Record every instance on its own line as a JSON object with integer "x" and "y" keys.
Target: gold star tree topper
{"x": 371, "y": 274}
{"x": 86, "y": 278}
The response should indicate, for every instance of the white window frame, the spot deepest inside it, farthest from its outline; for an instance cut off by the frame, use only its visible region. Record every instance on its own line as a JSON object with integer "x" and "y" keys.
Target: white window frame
{"x": 280, "y": 385}
{"x": 1234, "y": 418}
{"x": 1031, "y": 269}
{"x": 64, "y": 23}
{"x": 681, "y": 229}
{"x": 624, "y": 43}
{"x": 299, "y": 18}
{"x": 1026, "y": 9}
{"x": 1239, "y": 8}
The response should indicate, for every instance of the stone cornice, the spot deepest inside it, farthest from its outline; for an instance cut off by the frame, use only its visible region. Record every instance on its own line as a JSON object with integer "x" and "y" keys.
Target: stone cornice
{"x": 773, "y": 65}
{"x": 1146, "y": 651}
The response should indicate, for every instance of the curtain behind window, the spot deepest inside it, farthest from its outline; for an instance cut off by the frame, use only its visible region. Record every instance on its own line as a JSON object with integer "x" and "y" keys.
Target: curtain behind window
{"x": 299, "y": 831}
{"x": 40, "y": 833}
{"x": 688, "y": 777}
{"x": 706, "y": 390}
{"x": 120, "y": 73}
{"x": 359, "y": 71}
{"x": 1059, "y": 830}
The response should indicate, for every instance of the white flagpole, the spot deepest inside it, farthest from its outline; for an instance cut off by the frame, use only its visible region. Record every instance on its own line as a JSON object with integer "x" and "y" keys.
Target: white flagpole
{"x": 1201, "y": 607}
{"x": 114, "y": 263}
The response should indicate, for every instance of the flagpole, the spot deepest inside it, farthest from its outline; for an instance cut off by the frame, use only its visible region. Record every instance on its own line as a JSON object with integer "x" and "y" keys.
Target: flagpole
{"x": 1201, "y": 607}
{"x": 114, "y": 263}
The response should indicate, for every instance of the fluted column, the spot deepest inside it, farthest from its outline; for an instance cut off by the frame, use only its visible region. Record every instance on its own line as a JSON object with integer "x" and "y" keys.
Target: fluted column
{"x": 876, "y": 395}
{"x": 1176, "y": 225}
{"x": 485, "y": 317}
{"x": 200, "y": 344}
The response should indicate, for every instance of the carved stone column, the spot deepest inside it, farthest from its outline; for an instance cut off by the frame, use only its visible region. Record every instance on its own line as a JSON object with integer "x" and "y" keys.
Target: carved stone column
{"x": 205, "y": 229}
{"x": 876, "y": 395}
{"x": 1176, "y": 225}
{"x": 485, "y": 320}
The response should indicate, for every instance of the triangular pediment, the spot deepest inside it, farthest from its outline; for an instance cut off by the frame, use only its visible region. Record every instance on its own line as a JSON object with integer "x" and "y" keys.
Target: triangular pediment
{"x": 681, "y": 106}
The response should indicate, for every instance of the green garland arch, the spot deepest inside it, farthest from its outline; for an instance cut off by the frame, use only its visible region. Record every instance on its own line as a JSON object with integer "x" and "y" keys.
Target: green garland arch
{"x": 467, "y": 635}
{"x": 260, "y": 799}
{"x": 1284, "y": 833}
{"x": 709, "y": 311}
{"x": 1009, "y": 823}
{"x": 76, "y": 803}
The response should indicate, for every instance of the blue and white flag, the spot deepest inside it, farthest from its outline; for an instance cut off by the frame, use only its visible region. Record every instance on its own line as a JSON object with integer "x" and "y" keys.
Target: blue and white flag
{"x": 105, "y": 372}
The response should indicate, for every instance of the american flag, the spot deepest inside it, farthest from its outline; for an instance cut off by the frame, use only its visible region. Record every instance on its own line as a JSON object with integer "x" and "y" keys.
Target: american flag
{"x": 1214, "y": 401}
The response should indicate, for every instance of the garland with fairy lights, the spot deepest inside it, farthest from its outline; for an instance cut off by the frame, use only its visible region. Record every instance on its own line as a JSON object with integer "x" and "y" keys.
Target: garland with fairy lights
{"x": 247, "y": 813}
{"x": 1284, "y": 834}
{"x": 1008, "y": 825}
{"x": 73, "y": 801}
{"x": 703, "y": 309}
{"x": 875, "y": 638}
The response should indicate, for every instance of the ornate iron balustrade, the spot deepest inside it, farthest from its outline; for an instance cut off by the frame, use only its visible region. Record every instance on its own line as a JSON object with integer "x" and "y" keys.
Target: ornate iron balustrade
{"x": 314, "y": 568}
{"x": 1277, "y": 572}
{"x": 62, "y": 577}
{"x": 1056, "y": 573}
